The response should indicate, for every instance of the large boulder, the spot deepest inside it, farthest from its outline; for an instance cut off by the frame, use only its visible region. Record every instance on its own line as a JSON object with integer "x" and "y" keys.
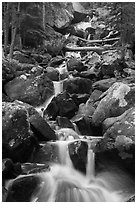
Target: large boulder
{"x": 77, "y": 85}
{"x": 115, "y": 101}
{"x": 119, "y": 139}
{"x": 75, "y": 64}
{"x": 31, "y": 90}
{"x": 18, "y": 141}
{"x": 52, "y": 73}
{"x": 40, "y": 128}
{"x": 103, "y": 84}
{"x": 78, "y": 154}
{"x": 62, "y": 105}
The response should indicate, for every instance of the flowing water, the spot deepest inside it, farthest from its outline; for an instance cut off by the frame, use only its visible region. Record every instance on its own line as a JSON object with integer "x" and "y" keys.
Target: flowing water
{"x": 63, "y": 183}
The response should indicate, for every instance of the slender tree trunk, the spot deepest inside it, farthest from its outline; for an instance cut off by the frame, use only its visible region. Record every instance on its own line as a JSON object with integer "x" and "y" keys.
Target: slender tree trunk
{"x": 15, "y": 21}
{"x": 6, "y": 26}
{"x": 43, "y": 18}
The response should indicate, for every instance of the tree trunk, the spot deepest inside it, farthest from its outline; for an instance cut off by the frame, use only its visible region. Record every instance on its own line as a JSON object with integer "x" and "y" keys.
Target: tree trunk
{"x": 15, "y": 22}
{"x": 6, "y": 26}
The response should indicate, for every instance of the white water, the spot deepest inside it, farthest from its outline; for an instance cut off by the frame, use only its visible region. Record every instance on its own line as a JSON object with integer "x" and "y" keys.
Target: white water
{"x": 65, "y": 184}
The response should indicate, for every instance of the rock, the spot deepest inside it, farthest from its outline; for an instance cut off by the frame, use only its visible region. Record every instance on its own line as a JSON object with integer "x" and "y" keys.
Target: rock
{"x": 112, "y": 63}
{"x": 80, "y": 98}
{"x": 115, "y": 101}
{"x": 66, "y": 134}
{"x": 78, "y": 154}
{"x": 9, "y": 169}
{"x": 38, "y": 57}
{"x": 40, "y": 128}
{"x": 31, "y": 168}
{"x": 121, "y": 125}
{"x": 75, "y": 64}
{"x": 64, "y": 122}
{"x": 23, "y": 58}
{"x": 4, "y": 194}
{"x": 52, "y": 74}
{"x": 79, "y": 12}
{"x": 30, "y": 90}
{"x": 18, "y": 142}
{"x": 58, "y": 14}
{"x": 103, "y": 84}
{"x": 56, "y": 61}
{"x": 25, "y": 185}
{"x": 8, "y": 71}
{"x": 46, "y": 154}
{"x": 119, "y": 139}
{"x": 94, "y": 96}
{"x": 5, "y": 98}
{"x": 77, "y": 85}
{"x": 62, "y": 105}
{"x": 54, "y": 41}
{"x": 46, "y": 58}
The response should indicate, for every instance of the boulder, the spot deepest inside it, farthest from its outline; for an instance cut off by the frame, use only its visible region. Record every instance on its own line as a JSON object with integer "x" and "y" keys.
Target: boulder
{"x": 77, "y": 85}
{"x": 62, "y": 105}
{"x": 18, "y": 142}
{"x": 103, "y": 84}
{"x": 10, "y": 170}
{"x": 78, "y": 154}
{"x": 23, "y": 58}
{"x": 46, "y": 154}
{"x": 52, "y": 73}
{"x": 25, "y": 185}
{"x": 119, "y": 139}
{"x": 66, "y": 134}
{"x": 115, "y": 101}
{"x": 80, "y": 98}
{"x": 121, "y": 125}
{"x": 56, "y": 61}
{"x": 75, "y": 64}
{"x": 64, "y": 122}
{"x": 40, "y": 128}
{"x": 112, "y": 63}
{"x": 31, "y": 90}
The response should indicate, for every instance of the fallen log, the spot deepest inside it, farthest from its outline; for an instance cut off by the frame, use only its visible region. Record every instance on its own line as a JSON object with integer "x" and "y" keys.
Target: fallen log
{"x": 98, "y": 50}
{"x": 99, "y": 41}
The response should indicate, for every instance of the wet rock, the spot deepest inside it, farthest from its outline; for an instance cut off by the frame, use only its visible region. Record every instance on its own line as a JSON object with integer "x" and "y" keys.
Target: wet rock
{"x": 30, "y": 168}
{"x": 23, "y": 186}
{"x": 83, "y": 118}
{"x": 56, "y": 61}
{"x": 62, "y": 105}
{"x": 10, "y": 170}
{"x": 77, "y": 85}
{"x": 78, "y": 154}
{"x": 66, "y": 134}
{"x": 64, "y": 122}
{"x": 4, "y": 194}
{"x": 23, "y": 58}
{"x": 52, "y": 73}
{"x": 75, "y": 64}
{"x": 32, "y": 90}
{"x": 104, "y": 84}
{"x": 40, "y": 128}
{"x": 47, "y": 153}
{"x": 115, "y": 101}
{"x": 18, "y": 142}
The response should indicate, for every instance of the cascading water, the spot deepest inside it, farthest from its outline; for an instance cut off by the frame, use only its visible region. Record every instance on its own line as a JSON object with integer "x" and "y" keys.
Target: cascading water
{"x": 63, "y": 183}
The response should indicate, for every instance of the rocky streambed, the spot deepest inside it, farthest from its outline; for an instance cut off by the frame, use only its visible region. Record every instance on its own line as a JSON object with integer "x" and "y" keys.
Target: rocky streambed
{"x": 79, "y": 96}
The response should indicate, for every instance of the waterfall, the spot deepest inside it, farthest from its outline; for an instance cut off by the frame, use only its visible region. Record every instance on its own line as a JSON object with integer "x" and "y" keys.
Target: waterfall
{"x": 58, "y": 87}
{"x": 63, "y": 183}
